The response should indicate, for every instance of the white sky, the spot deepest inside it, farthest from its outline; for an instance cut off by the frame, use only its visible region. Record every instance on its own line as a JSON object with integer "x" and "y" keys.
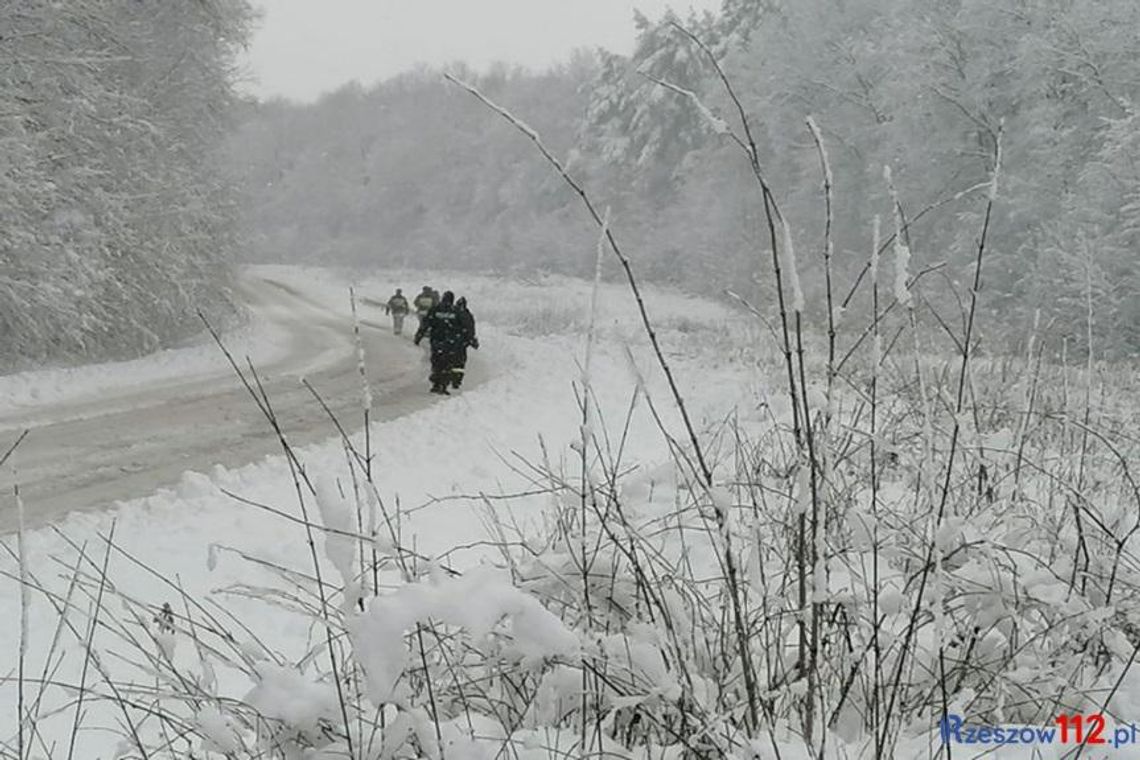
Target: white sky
{"x": 306, "y": 47}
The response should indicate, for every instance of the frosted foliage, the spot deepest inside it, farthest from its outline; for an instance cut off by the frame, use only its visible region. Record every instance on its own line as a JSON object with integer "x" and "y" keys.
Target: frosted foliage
{"x": 482, "y": 603}
{"x": 987, "y": 604}
{"x": 217, "y": 731}
{"x": 339, "y": 516}
{"x": 641, "y": 661}
{"x": 921, "y": 86}
{"x": 789, "y": 254}
{"x": 828, "y": 178}
{"x": 902, "y": 250}
{"x": 287, "y": 696}
{"x": 119, "y": 221}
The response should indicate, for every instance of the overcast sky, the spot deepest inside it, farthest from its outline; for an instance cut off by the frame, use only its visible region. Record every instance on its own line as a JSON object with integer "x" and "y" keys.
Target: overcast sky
{"x": 306, "y": 47}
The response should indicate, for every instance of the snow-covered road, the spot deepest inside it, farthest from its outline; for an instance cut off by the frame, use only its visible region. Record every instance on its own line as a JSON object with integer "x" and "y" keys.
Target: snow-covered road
{"x": 88, "y": 447}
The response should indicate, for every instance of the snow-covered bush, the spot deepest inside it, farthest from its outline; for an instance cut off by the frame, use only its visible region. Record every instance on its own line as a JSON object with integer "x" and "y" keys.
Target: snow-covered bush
{"x": 608, "y": 627}
{"x": 611, "y": 631}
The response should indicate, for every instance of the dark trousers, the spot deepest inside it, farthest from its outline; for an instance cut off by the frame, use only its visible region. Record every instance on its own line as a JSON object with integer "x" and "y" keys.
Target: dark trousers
{"x": 459, "y": 367}
{"x": 443, "y": 362}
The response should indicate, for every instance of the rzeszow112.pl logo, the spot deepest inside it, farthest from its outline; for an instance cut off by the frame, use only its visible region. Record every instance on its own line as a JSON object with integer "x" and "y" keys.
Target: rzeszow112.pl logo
{"x": 1092, "y": 730}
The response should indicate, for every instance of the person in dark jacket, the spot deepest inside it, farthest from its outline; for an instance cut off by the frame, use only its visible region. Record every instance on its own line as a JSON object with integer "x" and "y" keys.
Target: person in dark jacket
{"x": 397, "y": 306}
{"x": 442, "y": 328}
{"x": 469, "y": 339}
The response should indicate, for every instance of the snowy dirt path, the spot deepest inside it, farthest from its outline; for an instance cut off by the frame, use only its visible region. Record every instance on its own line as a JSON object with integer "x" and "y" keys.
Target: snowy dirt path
{"x": 128, "y": 441}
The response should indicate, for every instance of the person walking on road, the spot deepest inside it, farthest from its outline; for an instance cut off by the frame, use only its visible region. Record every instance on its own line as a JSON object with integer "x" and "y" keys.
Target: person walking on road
{"x": 424, "y": 303}
{"x": 397, "y": 306}
{"x": 443, "y": 330}
{"x": 467, "y": 339}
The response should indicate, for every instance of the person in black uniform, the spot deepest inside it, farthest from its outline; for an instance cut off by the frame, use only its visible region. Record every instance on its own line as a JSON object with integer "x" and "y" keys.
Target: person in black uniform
{"x": 442, "y": 328}
{"x": 467, "y": 326}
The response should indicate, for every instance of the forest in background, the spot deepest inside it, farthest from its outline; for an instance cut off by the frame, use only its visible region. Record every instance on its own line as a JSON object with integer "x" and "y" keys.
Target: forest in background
{"x": 415, "y": 172}
{"x": 118, "y": 221}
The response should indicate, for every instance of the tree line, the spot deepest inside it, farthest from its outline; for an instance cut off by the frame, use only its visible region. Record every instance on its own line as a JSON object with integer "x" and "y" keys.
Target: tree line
{"x": 117, "y": 220}
{"x": 412, "y": 171}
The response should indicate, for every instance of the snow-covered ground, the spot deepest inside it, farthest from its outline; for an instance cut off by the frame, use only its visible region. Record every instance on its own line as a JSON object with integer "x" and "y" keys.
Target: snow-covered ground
{"x": 260, "y": 339}
{"x": 1022, "y": 602}
{"x": 436, "y": 463}
{"x": 121, "y": 431}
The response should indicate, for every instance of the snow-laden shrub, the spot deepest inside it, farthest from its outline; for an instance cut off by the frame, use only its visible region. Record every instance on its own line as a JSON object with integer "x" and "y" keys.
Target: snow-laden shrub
{"x": 612, "y": 631}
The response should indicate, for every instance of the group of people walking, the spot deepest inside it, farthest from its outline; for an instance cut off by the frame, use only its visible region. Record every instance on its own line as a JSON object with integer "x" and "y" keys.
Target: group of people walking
{"x": 448, "y": 325}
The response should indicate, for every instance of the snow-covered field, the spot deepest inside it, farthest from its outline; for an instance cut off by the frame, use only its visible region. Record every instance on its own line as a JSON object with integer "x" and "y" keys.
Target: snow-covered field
{"x": 531, "y": 601}
{"x": 435, "y": 464}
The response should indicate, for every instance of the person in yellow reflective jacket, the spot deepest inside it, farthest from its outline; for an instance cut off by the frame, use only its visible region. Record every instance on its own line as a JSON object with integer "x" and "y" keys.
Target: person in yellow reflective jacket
{"x": 397, "y": 306}
{"x": 424, "y": 303}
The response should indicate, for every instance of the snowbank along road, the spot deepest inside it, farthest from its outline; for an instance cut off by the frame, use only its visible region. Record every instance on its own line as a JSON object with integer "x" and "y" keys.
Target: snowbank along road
{"x": 126, "y": 442}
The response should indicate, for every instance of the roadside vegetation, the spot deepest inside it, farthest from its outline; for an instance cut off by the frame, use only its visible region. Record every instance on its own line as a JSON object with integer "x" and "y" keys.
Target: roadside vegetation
{"x": 118, "y": 219}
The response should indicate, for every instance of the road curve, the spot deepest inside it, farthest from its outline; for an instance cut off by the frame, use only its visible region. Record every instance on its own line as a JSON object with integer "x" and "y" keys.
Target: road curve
{"x": 89, "y": 454}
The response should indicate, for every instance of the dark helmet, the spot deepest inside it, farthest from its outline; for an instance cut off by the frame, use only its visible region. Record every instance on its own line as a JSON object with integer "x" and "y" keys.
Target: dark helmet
{"x": 448, "y": 298}
{"x": 427, "y": 289}
{"x": 461, "y": 303}
{"x": 399, "y": 292}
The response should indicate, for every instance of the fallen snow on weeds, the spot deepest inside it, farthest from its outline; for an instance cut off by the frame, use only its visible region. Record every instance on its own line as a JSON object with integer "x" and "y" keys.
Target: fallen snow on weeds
{"x": 496, "y": 631}
{"x": 435, "y": 463}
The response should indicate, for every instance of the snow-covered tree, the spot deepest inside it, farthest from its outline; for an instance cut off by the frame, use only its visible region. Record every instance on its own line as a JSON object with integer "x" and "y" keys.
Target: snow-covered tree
{"x": 117, "y": 219}
{"x": 922, "y": 87}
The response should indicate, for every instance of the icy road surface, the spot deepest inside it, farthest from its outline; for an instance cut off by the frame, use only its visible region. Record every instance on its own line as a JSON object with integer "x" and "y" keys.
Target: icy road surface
{"x": 125, "y": 440}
